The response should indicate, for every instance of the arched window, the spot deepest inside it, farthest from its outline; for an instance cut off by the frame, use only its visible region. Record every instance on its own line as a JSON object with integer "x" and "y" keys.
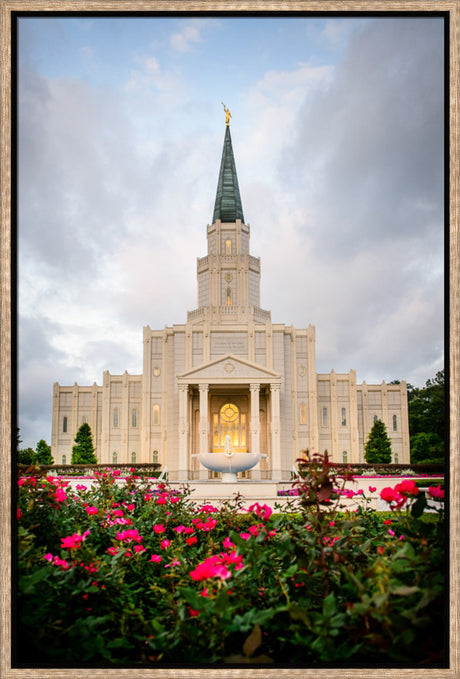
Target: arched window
{"x": 344, "y": 417}
{"x": 114, "y": 458}
{"x": 395, "y": 423}
{"x": 64, "y": 459}
{"x": 134, "y": 417}
{"x": 228, "y": 247}
{"x": 155, "y": 456}
{"x": 396, "y": 458}
{"x": 133, "y": 458}
{"x": 115, "y": 417}
{"x": 64, "y": 424}
{"x": 229, "y": 297}
{"x": 156, "y": 414}
{"x": 345, "y": 456}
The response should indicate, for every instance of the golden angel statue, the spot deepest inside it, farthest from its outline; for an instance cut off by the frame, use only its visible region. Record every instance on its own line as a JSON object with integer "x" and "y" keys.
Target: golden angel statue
{"x": 228, "y": 115}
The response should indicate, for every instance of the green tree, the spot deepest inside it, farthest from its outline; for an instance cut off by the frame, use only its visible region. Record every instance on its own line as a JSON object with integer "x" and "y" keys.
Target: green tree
{"x": 83, "y": 451}
{"x": 43, "y": 453}
{"x": 427, "y": 415}
{"x": 378, "y": 445}
{"x": 26, "y": 456}
{"x": 426, "y": 448}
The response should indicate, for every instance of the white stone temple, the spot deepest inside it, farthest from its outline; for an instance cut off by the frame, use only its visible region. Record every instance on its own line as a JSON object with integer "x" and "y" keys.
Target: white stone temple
{"x": 228, "y": 371}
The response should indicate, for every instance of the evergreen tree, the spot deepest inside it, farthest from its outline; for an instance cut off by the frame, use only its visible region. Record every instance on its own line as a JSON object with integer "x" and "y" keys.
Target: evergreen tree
{"x": 83, "y": 451}
{"x": 43, "y": 453}
{"x": 378, "y": 445}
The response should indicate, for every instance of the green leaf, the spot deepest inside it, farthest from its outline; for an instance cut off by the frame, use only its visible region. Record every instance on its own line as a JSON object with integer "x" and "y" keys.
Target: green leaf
{"x": 298, "y": 613}
{"x": 191, "y": 597}
{"x": 329, "y": 606}
{"x": 419, "y": 505}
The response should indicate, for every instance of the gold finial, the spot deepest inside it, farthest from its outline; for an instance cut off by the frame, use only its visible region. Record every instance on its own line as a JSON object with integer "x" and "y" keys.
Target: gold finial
{"x": 228, "y": 115}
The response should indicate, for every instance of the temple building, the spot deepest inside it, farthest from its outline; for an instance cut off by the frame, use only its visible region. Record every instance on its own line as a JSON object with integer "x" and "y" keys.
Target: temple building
{"x": 228, "y": 371}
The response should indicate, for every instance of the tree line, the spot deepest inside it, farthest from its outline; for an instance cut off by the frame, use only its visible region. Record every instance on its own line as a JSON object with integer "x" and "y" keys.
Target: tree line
{"x": 83, "y": 452}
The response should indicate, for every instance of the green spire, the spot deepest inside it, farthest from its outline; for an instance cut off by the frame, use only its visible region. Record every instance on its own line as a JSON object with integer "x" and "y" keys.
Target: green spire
{"x": 228, "y": 206}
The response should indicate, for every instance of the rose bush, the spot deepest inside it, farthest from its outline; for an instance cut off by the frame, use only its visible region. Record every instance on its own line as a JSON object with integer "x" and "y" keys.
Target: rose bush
{"x": 138, "y": 574}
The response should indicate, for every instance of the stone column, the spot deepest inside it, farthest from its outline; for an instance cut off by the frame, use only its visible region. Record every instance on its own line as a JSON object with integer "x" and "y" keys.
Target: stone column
{"x": 204, "y": 426}
{"x": 275, "y": 431}
{"x": 255, "y": 427}
{"x": 183, "y": 433}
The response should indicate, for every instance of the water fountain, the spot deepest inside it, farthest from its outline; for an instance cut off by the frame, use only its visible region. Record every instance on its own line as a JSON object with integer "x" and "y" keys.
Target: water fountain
{"x": 229, "y": 463}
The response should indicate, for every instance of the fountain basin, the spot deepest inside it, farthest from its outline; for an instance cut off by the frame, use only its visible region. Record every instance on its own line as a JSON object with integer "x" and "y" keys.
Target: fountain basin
{"x": 229, "y": 465}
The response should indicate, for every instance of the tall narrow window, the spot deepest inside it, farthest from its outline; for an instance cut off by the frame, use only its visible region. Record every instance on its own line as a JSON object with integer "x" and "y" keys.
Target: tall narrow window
{"x": 229, "y": 297}
{"x": 134, "y": 417}
{"x": 395, "y": 423}
{"x": 303, "y": 414}
{"x": 155, "y": 457}
{"x": 115, "y": 417}
{"x": 396, "y": 458}
{"x": 228, "y": 247}
{"x": 375, "y": 419}
{"x": 324, "y": 417}
{"x": 345, "y": 456}
{"x": 64, "y": 459}
{"x": 83, "y": 419}
{"x": 64, "y": 424}
{"x": 133, "y": 458}
{"x": 156, "y": 414}
{"x": 114, "y": 458}
{"x": 344, "y": 417}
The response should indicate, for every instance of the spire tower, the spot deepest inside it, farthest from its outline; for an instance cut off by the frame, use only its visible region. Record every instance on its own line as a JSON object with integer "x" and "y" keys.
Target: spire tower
{"x": 228, "y": 207}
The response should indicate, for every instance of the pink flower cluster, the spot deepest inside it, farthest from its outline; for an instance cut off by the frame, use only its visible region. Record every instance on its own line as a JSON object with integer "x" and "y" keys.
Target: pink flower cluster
{"x": 57, "y": 561}
{"x": 215, "y": 566}
{"x": 264, "y": 512}
{"x": 436, "y": 492}
{"x": 397, "y": 496}
{"x": 207, "y": 525}
{"x": 74, "y": 541}
{"x": 129, "y": 535}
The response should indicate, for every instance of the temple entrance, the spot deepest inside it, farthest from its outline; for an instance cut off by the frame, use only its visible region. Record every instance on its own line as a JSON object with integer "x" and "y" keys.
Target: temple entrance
{"x": 229, "y": 421}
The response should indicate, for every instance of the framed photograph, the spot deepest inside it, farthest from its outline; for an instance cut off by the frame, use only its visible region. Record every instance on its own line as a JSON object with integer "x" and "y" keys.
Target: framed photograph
{"x": 229, "y": 313}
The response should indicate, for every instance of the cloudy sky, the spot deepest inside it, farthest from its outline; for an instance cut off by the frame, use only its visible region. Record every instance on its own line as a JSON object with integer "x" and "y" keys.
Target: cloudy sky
{"x": 337, "y": 128}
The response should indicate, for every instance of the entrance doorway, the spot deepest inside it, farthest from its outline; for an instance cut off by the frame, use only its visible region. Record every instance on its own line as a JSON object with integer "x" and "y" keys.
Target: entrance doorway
{"x": 230, "y": 421}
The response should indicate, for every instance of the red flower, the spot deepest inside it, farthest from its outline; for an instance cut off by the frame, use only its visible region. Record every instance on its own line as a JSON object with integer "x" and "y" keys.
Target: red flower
{"x": 407, "y": 487}
{"x": 164, "y": 544}
{"x": 436, "y": 492}
{"x": 191, "y": 540}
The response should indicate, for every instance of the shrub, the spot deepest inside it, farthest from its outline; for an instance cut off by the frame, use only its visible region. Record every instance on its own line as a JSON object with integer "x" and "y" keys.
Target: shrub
{"x": 136, "y": 573}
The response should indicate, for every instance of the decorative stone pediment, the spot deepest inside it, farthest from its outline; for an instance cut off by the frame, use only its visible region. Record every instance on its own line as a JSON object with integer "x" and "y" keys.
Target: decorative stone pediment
{"x": 229, "y": 369}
